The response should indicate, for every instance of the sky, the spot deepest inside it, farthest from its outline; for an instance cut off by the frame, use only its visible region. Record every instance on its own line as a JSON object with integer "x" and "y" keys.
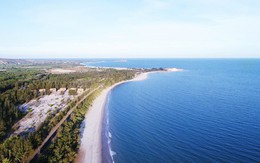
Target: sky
{"x": 130, "y": 29}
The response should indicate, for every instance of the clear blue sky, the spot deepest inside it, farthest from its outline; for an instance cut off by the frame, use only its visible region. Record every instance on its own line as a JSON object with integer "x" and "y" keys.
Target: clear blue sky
{"x": 125, "y": 29}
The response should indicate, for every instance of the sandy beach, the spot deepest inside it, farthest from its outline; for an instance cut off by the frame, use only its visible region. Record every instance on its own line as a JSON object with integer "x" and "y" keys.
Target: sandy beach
{"x": 90, "y": 150}
{"x": 91, "y": 142}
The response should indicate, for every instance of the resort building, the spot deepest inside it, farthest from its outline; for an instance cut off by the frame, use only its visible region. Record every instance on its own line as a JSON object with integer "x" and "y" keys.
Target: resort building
{"x": 62, "y": 90}
{"x": 52, "y": 90}
{"x": 80, "y": 91}
{"x": 73, "y": 89}
{"x": 42, "y": 91}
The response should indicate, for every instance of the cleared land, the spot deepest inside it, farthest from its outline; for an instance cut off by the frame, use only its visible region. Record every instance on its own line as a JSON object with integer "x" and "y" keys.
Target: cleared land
{"x": 39, "y": 109}
{"x": 54, "y": 129}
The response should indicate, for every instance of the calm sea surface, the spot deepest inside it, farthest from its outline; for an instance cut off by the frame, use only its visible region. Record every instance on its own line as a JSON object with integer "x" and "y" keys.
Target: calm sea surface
{"x": 208, "y": 113}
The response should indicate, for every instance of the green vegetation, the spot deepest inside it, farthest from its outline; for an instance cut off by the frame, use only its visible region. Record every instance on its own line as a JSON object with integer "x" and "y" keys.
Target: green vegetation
{"x": 29, "y": 110}
{"x": 64, "y": 147}
{"x": 15, "y": 149}
{"x": 21, "y": 85}
{"x": 38, "y": 63}
{"x": 15, "y": 89}
{"x": 72, "y": 92}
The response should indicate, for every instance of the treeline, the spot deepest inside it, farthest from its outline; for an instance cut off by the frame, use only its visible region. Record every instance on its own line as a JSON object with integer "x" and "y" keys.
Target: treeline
{"x": 65, "y": 146}
{"x": 13, "y": 92}
{"x": 21, "y": 85}
{"x": 28, "y": 143}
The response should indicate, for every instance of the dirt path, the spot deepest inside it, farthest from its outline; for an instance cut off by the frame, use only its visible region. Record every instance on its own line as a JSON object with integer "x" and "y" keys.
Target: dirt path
{"x": 54, "y": 129}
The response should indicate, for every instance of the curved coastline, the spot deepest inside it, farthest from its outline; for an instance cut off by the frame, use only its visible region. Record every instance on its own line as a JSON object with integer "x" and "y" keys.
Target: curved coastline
{"x": 91, "y": 142}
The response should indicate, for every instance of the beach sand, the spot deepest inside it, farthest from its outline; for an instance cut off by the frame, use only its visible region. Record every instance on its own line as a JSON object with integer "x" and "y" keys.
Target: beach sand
{"x": 90, "y": 150}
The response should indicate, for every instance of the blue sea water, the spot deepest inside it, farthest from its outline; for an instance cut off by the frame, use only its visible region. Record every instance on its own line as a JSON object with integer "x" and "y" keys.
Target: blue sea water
{"x": 208, "y": 113}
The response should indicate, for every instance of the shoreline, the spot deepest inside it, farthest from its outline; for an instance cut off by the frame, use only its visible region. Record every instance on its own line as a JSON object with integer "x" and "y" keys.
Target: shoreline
{"x": 91, "y": 142}
{"x": 170, "y": 69}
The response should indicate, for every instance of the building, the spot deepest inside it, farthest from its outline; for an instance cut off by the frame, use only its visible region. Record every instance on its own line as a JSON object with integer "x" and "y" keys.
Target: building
{"x": 80, "y": 91}
{"x": 52, "y": 90}
{"x": 62, "y": 90}
{"x": 42, "y": 91}
{"x": 73, "y": 89}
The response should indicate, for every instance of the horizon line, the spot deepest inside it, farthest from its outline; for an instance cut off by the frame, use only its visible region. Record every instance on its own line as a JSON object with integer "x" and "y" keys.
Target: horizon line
{"x": 75, "y": 58}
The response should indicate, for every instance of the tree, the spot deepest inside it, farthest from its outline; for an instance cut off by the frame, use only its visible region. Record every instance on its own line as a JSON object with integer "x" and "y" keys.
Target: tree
{"x": 2, "y": 129}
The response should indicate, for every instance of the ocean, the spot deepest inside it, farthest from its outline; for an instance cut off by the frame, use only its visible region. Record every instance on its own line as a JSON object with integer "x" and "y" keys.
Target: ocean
{"x": 210, "y": 112}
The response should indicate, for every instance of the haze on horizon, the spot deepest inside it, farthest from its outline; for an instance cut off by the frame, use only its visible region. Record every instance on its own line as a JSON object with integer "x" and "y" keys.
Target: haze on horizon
{"x": 130, "y": 29}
